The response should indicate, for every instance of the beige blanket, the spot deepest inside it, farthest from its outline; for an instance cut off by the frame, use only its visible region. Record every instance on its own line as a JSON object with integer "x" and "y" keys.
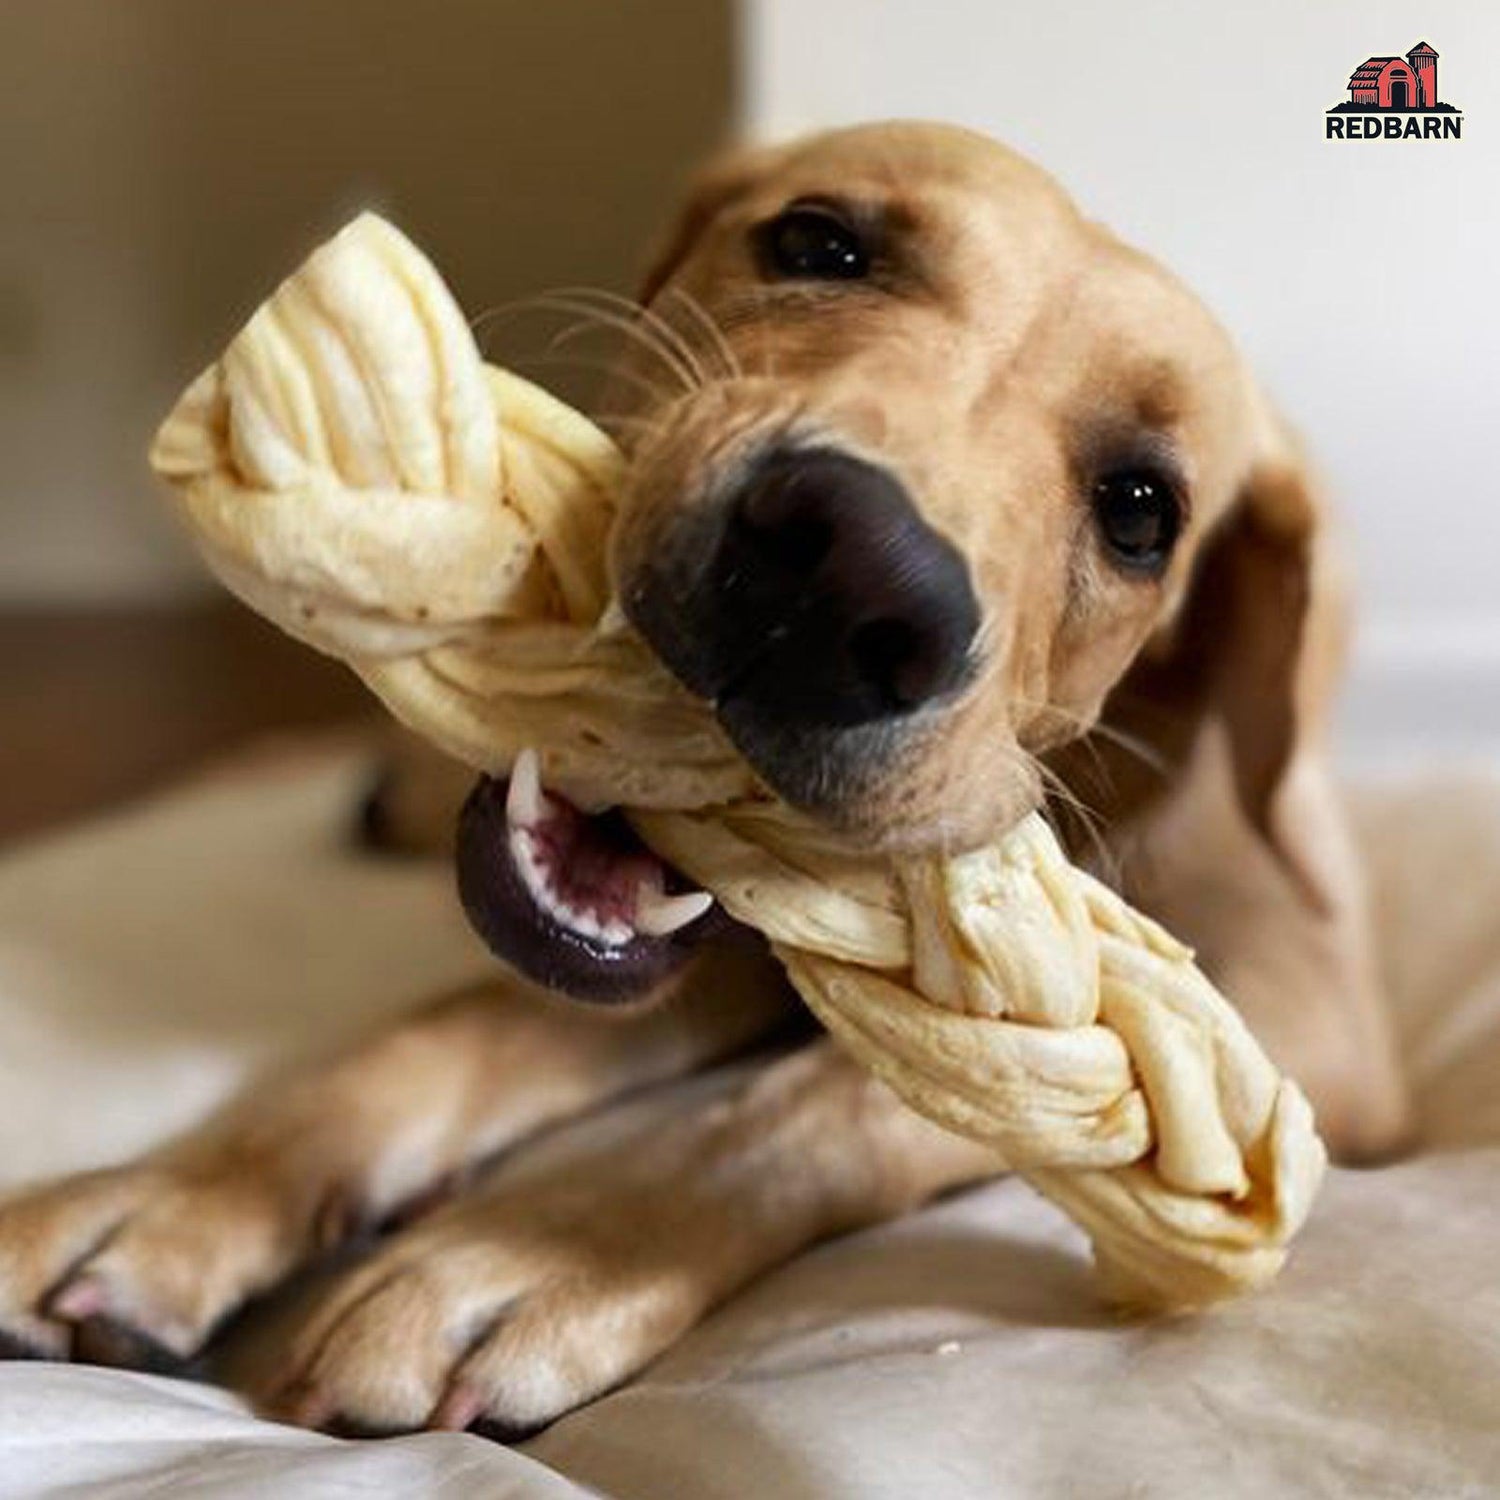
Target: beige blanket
{"x": 147, "y": 963}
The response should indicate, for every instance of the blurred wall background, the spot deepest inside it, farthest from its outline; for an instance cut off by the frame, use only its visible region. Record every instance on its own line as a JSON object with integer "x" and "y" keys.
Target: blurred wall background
{"x": 163, "y": 162}
{"x": 1362, "y": 277}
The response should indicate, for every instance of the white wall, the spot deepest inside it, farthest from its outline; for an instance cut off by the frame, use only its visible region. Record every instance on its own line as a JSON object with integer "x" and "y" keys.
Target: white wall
{"x": 1362, "y": 277}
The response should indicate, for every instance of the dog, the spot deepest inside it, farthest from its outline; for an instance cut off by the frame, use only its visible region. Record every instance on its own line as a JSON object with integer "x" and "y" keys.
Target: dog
{"x": 954, "y": 506}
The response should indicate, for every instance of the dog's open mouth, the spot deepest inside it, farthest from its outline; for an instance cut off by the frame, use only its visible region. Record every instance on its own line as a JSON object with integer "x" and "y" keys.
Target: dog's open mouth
{"x": 572, "y": 900}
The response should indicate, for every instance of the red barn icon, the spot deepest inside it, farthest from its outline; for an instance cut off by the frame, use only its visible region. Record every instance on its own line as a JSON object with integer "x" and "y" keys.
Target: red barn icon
{"x": 1397, "y": 83}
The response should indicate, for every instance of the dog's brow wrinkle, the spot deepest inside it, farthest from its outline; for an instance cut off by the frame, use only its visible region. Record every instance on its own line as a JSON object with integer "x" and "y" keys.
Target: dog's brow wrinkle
{"x": 1160, "y": 398}
{"x": 1048, "y": 311}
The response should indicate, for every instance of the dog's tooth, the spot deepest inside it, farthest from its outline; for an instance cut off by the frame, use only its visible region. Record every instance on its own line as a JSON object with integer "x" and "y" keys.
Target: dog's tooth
{"x": 613, "y": 620}
{"x": 586, "y": 924}
{"x": 524, "y": 856}
{"x": 657, "y": 915}
{"x": 523, "y": 798}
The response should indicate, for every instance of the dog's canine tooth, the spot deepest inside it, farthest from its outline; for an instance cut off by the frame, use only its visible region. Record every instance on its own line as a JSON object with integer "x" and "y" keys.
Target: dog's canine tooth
{"x": 523, "y": 799}
{"x": 658, "y": 915}
{"x": 523, "y": 851}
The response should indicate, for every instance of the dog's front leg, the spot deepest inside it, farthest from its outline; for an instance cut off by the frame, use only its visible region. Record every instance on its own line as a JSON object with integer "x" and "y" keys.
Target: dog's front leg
{"x": 139, "y": 1264}
{"x": 514, "y": 1304}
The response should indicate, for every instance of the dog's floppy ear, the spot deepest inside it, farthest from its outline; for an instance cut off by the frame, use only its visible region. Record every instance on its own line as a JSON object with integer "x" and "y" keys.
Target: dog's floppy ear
{"x": 1266, "y": 620}
{"x": 712, "y": 189}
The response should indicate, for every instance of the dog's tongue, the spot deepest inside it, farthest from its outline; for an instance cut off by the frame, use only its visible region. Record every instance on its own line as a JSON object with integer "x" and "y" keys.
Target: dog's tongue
{"x": 573, "y": 901}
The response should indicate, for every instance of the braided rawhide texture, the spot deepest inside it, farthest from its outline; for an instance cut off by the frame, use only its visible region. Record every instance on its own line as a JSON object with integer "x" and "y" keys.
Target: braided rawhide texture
{"x": 353, "y": 469}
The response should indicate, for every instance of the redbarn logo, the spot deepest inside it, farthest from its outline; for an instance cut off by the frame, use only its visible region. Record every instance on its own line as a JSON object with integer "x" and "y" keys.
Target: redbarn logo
{"x": 1395, "y": 98}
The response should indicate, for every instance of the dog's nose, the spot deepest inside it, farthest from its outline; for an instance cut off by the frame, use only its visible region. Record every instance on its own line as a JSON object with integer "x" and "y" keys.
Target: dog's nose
{"x": 835, "y": 603}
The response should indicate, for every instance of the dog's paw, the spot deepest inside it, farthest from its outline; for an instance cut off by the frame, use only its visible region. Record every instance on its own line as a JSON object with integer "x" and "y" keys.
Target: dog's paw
{"x": 137, "y": 1265}
{"x": 504, "y": 1311}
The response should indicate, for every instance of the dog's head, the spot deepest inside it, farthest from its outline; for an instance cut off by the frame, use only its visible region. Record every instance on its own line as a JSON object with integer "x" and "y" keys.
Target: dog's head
{"x": 945, "y": 464}
{"x": 925, "y": 466}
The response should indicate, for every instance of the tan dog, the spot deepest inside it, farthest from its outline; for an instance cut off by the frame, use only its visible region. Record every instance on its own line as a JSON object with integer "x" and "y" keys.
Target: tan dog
{"x": 956, "y": 477}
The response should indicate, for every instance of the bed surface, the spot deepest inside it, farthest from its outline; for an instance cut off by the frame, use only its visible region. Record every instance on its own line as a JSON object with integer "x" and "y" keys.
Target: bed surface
{"x": 148, "y": 962}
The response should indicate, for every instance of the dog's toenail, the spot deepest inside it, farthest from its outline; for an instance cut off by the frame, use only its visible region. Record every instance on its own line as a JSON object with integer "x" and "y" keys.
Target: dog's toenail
{"x": 352, "y": 1427}
{"x": 508, "y": 1433}
{"x": 12, "y": 1347}
{"x": 84, "y": 1297}
{"x": 459, "y": 1409}
{"x": 106, "y": 1341}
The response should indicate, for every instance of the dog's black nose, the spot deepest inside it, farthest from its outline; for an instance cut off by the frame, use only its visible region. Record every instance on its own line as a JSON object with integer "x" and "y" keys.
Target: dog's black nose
{"x": 833, "y": 602}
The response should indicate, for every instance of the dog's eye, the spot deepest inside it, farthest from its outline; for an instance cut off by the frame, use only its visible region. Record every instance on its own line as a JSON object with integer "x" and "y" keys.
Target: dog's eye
{"x": 1139, "y": 517}
{"x": 812, "y": 244}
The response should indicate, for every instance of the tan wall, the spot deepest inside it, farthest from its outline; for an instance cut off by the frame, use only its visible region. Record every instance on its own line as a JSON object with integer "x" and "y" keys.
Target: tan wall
{"x": 163, "y": 161}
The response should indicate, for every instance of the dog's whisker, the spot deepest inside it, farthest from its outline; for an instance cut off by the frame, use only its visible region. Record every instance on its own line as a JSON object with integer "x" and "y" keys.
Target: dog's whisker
{"x": 1086, "y": 732}
{"x": 1143, "y": 750}
{"x": 637, "y": 311}
{"x": 1098, "y": 766}
{"x": 650, "y": 422}
{"x": 591, "y": 318}
{"x": 716, "y": 344}
{"x": 626, "y": 313}
{"x": 627, "y": 428}
{"x": 585, "y": 318}
{"x": 501, "y": 312}
{"x": 1098, "y": 770}
{"x": 1087, "y": 819}
{"x": 1058, "y": 789}
{"x": 1059, "y": 794}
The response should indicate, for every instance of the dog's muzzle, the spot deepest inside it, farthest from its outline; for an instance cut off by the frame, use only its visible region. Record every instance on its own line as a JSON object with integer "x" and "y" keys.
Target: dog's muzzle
{"x": 815, "y": 609}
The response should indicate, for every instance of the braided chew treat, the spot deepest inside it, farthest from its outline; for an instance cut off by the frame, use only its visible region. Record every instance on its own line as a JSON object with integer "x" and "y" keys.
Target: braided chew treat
{"x": 353, "y": 469}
